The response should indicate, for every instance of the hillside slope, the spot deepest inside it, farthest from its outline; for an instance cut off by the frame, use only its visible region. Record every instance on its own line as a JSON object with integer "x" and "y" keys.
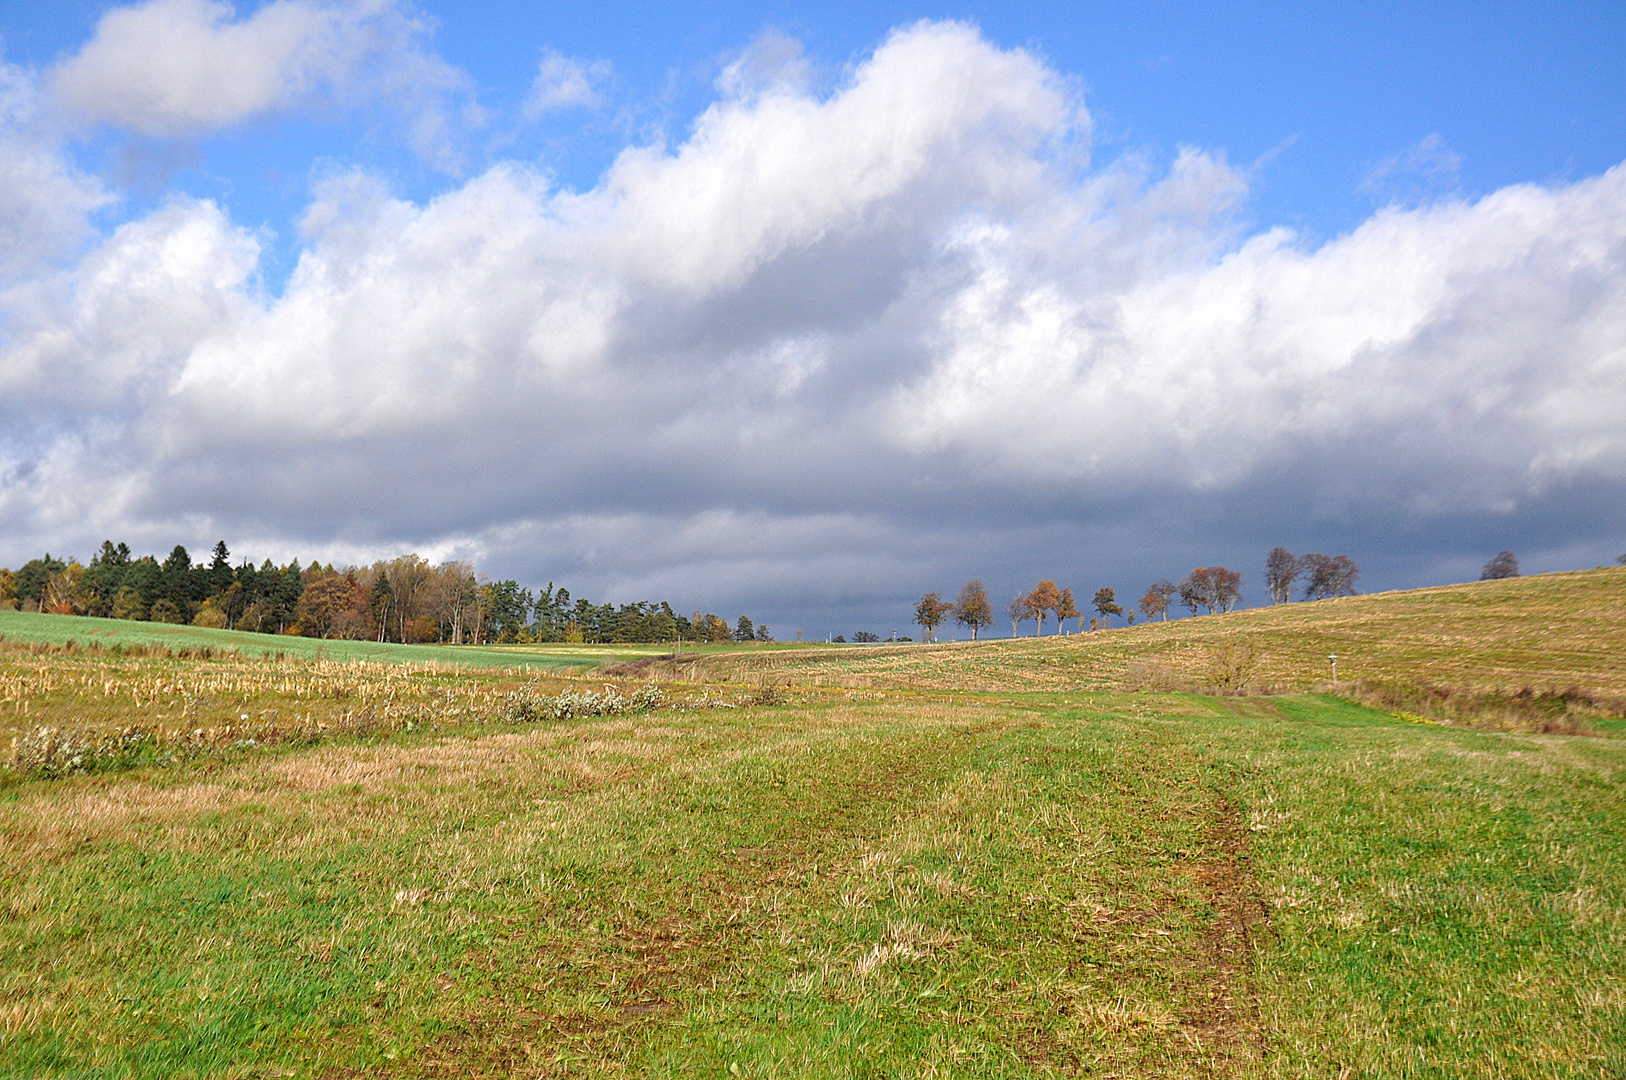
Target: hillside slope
{"x": 27, "y": 628}
{"x": 1550, "y": 630}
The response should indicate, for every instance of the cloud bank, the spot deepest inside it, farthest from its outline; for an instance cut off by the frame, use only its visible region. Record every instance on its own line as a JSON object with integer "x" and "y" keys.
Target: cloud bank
{"x": 829, "y": 345}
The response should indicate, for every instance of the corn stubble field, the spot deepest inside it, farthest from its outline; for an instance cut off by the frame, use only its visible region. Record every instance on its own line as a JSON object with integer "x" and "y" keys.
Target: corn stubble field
{"x": 1166, "y": 850}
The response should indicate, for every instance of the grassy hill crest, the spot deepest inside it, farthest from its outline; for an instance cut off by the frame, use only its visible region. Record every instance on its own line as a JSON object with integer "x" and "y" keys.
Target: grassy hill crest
{"x": 1544, "y": 631}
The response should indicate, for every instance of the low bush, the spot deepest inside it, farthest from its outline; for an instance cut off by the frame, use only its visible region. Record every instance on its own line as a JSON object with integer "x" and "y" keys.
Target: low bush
{"x": 1549, "y": 712}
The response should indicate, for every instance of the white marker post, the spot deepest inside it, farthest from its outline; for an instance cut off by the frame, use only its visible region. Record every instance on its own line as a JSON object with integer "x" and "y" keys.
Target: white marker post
{"x": 1334, "y": 659}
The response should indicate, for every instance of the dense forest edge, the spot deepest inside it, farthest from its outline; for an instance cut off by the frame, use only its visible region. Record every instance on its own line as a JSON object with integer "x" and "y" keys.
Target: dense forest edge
{"x": 406, "y": 600}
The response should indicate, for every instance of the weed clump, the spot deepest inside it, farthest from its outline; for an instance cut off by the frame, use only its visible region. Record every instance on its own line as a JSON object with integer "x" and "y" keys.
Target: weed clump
{"x": 118, "y": 650}
{"x": 529, "y": 707}
{"x": 1151, "y": 675}
{"x": 54, "y": 752}
{"x": 767, "y": 692}
{"x": 51, "y": 753}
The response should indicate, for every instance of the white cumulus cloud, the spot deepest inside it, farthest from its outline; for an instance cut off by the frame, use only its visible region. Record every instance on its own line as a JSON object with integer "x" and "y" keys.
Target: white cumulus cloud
{"x": 188, "y": 67}
{"x": 903, "y": 309}
{"x": 44, "y": 199}
{"x": 1492, "y": 332}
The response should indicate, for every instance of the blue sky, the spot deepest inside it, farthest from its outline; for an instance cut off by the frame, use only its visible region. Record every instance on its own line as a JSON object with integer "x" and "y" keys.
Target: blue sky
{"x": 1322, "y": 96}
{"x": 696, "y": 371}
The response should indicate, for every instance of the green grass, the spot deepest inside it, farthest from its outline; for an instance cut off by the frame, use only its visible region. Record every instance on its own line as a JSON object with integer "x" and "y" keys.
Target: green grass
{"x": 1154, "y": 884}
{"x": 30, "y": 628}
{"x": 856, "y": 882}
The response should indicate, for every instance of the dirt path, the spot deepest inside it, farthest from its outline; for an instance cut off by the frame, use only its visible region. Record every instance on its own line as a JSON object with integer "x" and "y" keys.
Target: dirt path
{"x": 1222, "y": 1016}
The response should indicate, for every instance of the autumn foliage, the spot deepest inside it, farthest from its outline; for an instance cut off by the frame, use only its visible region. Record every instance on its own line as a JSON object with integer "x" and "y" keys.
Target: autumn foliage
{"x": 406, "y": 599}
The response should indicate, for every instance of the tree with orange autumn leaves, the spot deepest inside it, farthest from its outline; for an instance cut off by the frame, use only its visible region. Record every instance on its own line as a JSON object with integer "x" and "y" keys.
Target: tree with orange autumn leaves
{"x": 930, "y": 613}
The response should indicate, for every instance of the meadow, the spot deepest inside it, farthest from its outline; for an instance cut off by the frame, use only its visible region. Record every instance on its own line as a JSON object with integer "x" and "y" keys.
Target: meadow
{"x": 31, "y": 629}
{"x": 1551, "y": 630}
{"x": 1081, "y": 856}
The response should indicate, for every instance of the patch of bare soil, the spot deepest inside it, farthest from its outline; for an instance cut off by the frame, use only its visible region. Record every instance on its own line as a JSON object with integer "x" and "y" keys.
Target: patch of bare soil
{"x": 1222, "y": 1015}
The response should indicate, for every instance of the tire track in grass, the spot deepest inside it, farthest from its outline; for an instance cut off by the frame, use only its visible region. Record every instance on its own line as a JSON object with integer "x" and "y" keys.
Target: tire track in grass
{"x": 1222, "y": 1014}
{"x": 648, "y": 967}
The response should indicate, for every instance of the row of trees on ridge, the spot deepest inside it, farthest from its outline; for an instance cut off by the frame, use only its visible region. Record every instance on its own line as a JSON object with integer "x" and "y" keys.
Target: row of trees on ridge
{"x": 973, "y": 610}
{"x": 1208, "y": 588}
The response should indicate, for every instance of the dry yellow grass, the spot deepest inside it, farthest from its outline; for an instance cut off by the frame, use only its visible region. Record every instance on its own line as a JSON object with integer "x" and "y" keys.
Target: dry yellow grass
{"x": 65, "y": 709}
{"x": 90, "y": 688}
{"x": 1551, "y": 630}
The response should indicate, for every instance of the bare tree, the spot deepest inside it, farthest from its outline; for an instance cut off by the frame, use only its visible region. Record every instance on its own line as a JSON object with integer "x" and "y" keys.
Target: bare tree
{"x": 1504, "y": 564}
{"x": 447, "y": 596}
{"x": 409, "y": 578}
{"x": 972, "y": 609}
{"x": 1213, "y": 587}
{"x": 1191, "y": 592}
{"x": 384, "y": 606}
{"x": 65, "y": 593}
{"x": 1156, "y": 600}
{"x": 1281, "y": 570}
{"x": 1018, "y": 610}
{"x": 1326, "y": 576}
{"x": 1225, "y": 588}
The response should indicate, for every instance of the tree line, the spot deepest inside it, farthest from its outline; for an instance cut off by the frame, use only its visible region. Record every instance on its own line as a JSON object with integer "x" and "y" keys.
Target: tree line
{"x": 403, "y": 600}
{"x": 409, "y": 600}
{"x": 973, "y": 610}
{"x": 1207, "y": 588}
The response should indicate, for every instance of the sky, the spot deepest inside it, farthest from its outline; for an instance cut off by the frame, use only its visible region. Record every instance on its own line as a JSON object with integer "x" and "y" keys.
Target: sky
{"x": 803, "y": 311}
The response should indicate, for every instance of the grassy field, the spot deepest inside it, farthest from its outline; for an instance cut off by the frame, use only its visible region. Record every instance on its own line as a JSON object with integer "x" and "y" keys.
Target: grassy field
{"x": 760, "y": 879}
{"x": 29, "y": 628}
{"x": 1546, "y": 630}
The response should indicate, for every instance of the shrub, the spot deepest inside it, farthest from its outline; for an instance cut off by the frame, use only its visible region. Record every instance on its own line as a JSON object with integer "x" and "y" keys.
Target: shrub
{"x": 210, "y": 616}
{"x": 165, "y": 611}
{"x": 1232, "y": 666}
{"x": 127, "y": 604}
